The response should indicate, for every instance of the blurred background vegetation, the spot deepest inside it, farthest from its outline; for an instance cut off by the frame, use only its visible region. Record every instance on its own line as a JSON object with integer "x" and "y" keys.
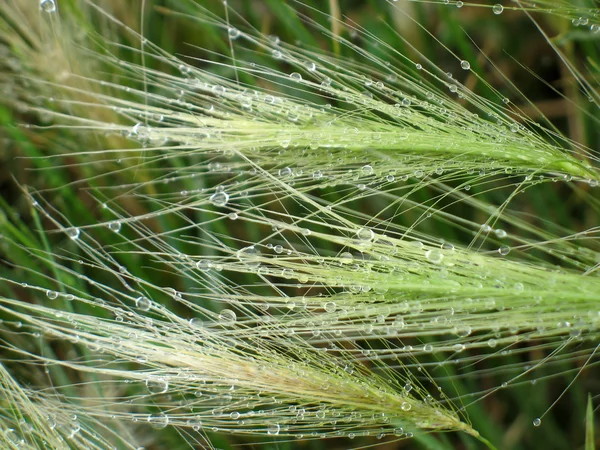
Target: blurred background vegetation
{"x": 506, "y": 50}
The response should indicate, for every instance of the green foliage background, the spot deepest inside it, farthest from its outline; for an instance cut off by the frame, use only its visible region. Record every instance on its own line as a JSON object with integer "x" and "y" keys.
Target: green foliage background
{"x": 509, "y": 58}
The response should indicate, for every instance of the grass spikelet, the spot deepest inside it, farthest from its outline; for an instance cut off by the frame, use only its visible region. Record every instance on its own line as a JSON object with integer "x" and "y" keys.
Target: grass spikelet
{"x": 275, "y": 241}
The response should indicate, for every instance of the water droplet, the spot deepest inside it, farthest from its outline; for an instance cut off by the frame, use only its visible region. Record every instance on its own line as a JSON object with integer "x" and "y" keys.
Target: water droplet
{"x": 500, "y": 233}
{"x": 115, "y": 226}
{"x": 459, "y": 4}
{"x": 195, "y": 423}
{"x": 157, "y": 385}
{"x": 73, "y": 233}
{"x": 497, "y": 8}
{"x": 273, "y": 429}
{"x": 47, "y": 6}
{"x": 227, "y": 317}
{"x": 196, "y": 323}
{"x": 185, "y": 70}
{"x": 158, "y": 421}
{"x": 405, "y": 406}
{"x": 204, "y": 265}
{"x": 504, "y": 250}
{"x": 219, "y": 198}
{"x": 465, "y": 65}
{"x": 330, "y": 307}
{"x": 51, "y": 294}
{"x": 233, "y": 33}
{"x": 296, "y": 76}
{"x": 365, "y": 234}
{"x": 434, "y": 255}
{"x": 537, "y": 422}
{"x": 366, "y": 170}
{"x": 250, "y": 256}
{"x": 485, "y": 228}
{"x": 143, "y": 303}
{"x": 463, "y": 331}
{"x": 285, "y": 172}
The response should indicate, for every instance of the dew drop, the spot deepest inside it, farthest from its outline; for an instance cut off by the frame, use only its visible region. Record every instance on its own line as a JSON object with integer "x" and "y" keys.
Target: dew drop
{"x": 250, "y": 256}
{"x": 143, "y": 303}
{"x": 157, "y": 385}
{"x": 500, "y": 233}
{"x": 219, "y": 198}
{"x": 196, "y": 323}
{"x": 330, "y": 307}
{"x": 504, "y": 250}
{"x": 497, "y": 9}
{"x": 405, "y": 406}
{"x": 47, "y": 6}
{"x": 365, "y": 234}
{"x": 273, "y": 429}
{"x": 537, "y": 422}
{"x": 158, "y": 421}
{"x": 115, "y": 226}
{"x": 485, "y": 228}
{"x": 196, "y": 424}
{"x": 285, "y": 172}
{"x": 233, "y": 33}
{"x": 463, "y": 331}
{"x": 465, "y": 65}
{"x": 52, "y": 295}
{"x": 311, "y": 66}
{"x": 73, "y": 233}
{"x": 434, "y": 255}
{"x": 458, "y": 348}
{"x": 296, "y": 76}
{"x": 185, "y": 70}
{"x": 204, "y": 265}
{"x": 366, "y": 170}
{"x": 227, "y": 317}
